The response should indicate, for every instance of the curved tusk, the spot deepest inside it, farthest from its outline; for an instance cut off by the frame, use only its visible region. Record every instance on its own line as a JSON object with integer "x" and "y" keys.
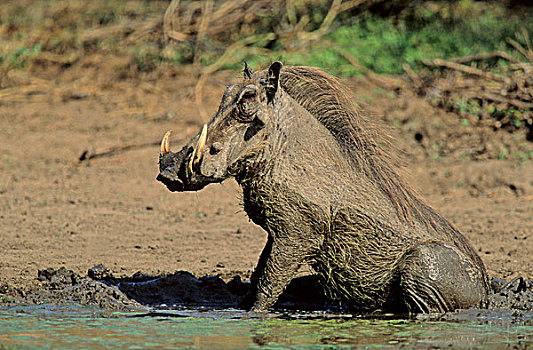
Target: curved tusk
{"x": 199, "y": 149}
{"x": 165, "y": 143}
{"x": 201, "y": 143}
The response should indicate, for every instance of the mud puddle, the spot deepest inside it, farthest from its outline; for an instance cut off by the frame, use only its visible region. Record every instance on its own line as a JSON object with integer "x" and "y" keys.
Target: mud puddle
{"x": 179, "y": 310}
{"x": 67, "y": 327}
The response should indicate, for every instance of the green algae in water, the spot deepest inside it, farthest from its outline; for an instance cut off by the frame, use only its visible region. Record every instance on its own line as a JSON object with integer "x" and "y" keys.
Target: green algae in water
{"x": 231, "y": 329}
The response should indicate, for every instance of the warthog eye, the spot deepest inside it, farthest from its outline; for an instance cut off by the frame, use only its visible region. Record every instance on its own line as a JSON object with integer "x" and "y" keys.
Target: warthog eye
{"x": 215, "y": 148}
{"x": 247, "y": 106}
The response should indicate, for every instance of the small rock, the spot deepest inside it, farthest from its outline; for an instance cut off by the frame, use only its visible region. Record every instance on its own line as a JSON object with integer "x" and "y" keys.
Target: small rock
{"x": 78, "y": 96}
{"x": 99, "y": 272}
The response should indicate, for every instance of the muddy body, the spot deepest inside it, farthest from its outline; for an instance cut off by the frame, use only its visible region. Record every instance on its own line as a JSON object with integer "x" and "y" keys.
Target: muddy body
{"x": 314, "y": 177}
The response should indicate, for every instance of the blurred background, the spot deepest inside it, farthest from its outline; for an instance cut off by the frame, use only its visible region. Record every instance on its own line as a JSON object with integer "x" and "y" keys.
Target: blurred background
{"x": 470, "y": 57}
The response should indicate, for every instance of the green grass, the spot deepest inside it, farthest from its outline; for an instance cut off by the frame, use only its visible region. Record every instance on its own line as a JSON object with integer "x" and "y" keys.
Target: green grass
{"x": 432, "y": 29}
{"x": 464, "y": 28}
{"x": 383, "y": 45}
{"x": 19, "y": 57}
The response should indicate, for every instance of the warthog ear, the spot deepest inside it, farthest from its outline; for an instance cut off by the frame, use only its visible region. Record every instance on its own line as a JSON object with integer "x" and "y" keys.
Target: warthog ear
{"x": 248, "y": 72}
{"x": 273, "y": 79}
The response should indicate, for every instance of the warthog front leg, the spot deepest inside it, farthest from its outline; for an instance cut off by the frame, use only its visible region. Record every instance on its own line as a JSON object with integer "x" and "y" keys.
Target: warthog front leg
{"x": 277, "y": 266}
{"x": 248, "y": 301}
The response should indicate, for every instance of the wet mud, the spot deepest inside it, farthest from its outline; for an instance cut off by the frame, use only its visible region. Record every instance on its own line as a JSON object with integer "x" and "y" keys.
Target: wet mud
{"x": 510, "y": 301}
{"x": 100, "y": 288}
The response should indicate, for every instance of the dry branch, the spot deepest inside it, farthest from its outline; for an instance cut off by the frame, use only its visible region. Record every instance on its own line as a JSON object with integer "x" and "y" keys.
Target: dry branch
{"x": 485, "y": 56}
{"x": 110, "y": 151}
{"x": 412, "y": 75}
{"x": 465, "y": 69}
{"x": 507, "y": 96}
{"x": 168, "y": 19}
{"x": 512, "y": 101}
{"x": 381, "y": 80}
{"x": 337, "y": 7}
{"x": 527, "y": 53}
{"x": 197, "y": 21}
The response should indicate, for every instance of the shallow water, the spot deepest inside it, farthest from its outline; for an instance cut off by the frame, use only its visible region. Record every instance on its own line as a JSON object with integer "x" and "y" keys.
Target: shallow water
{"x": 66, "y": 328}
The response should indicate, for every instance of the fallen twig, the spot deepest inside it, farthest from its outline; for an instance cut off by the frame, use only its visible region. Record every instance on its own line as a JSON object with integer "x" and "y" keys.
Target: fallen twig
{"x": 110, "y": 151}
{"x": 385, "y": 82}
{"x": 485, "y": 56}
{"x": 511, "y": 101}
{"x": 527, "y": 53}
{"x": 412, "y": 75}
{"x": 466, "y": 69}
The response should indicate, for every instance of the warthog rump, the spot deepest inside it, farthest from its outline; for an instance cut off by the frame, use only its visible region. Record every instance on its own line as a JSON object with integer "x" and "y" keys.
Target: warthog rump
{"x": 315, "y": 178}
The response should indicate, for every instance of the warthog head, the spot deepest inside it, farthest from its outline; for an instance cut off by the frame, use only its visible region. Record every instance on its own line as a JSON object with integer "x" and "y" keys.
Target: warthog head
{"x": 234, "y": 135}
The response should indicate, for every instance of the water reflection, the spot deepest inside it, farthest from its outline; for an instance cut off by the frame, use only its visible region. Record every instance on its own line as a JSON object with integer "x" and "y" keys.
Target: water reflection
{"x": 231, "y": 329}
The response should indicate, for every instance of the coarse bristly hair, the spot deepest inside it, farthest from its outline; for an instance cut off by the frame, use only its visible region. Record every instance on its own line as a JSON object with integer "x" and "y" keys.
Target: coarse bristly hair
{"x": 367, "y": 147}
{"x": 364, "y": 142}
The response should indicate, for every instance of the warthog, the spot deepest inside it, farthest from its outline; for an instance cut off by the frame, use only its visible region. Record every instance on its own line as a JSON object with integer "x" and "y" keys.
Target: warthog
{"x": 314, "y": 177}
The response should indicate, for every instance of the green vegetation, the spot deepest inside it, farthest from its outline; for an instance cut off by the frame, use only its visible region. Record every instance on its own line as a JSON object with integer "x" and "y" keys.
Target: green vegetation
{"x": 377, "y": 36}
{"x": 384, "y": 44}
{"x": 459, "y": 183}
{"x": 19, "y": 57}
{"x": 379, "y": 41}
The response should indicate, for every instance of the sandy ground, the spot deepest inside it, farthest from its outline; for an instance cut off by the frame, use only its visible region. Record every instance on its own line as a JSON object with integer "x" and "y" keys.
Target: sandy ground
{"x": 56, "y": 211}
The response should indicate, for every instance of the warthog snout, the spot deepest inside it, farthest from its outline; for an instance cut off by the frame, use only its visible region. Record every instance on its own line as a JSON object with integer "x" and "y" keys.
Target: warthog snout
{"x": 169, "y": 168}
{"x": 177, "y": 169}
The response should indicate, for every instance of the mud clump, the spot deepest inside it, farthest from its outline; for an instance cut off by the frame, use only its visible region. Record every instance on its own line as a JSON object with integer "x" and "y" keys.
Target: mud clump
{"x": 102, "y": 289}
{"x": 99, "y": 272}
{"x": 516, "y": 294}
{"x": 58, "y": 278}
{"x": 183, "y": 289}
{"x": 62, "y": 286}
